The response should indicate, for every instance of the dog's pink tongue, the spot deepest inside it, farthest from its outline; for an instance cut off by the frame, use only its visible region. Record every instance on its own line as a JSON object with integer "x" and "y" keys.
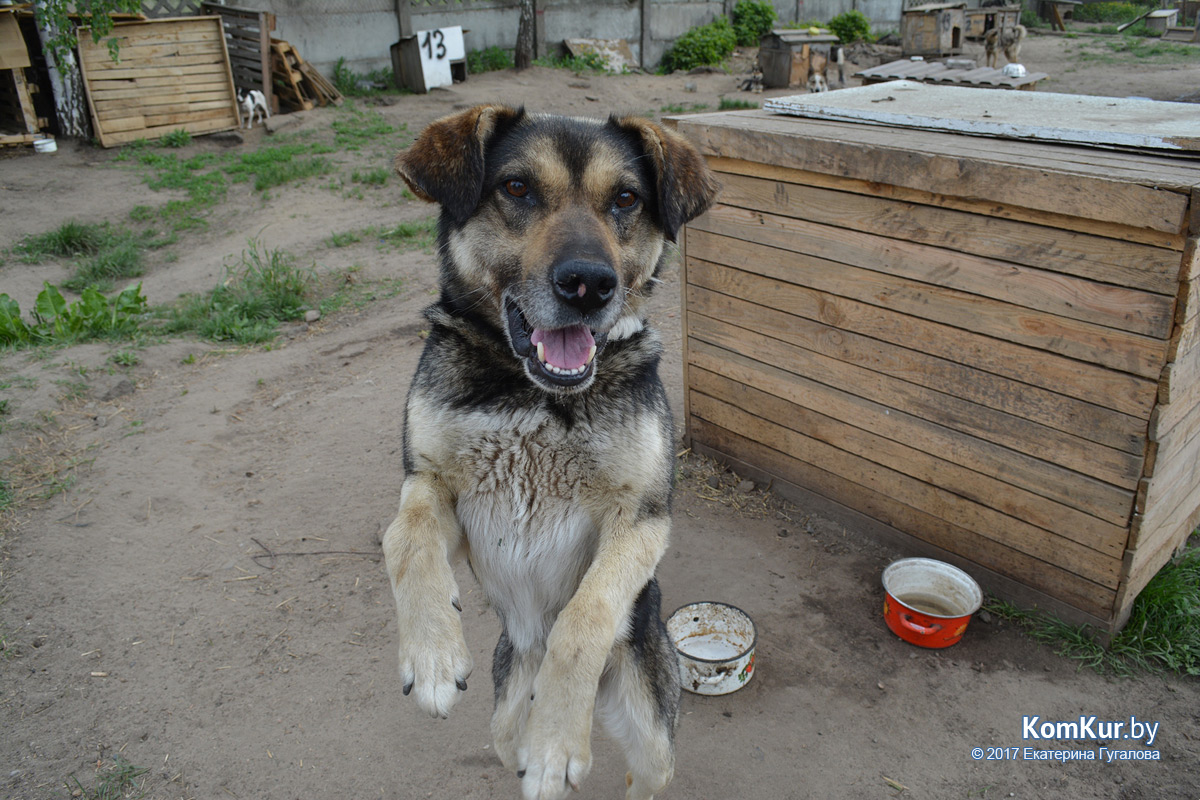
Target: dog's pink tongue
{"x": 565, "y": 348}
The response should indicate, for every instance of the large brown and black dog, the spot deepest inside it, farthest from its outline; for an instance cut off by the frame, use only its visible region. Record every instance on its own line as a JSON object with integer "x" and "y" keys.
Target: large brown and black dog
{"x": 538, "y": 439}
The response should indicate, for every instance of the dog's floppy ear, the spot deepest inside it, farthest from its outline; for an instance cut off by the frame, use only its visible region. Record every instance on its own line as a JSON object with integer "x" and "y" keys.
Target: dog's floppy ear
{"x": 445, "y": 164}
{"x": 686, "y": 187}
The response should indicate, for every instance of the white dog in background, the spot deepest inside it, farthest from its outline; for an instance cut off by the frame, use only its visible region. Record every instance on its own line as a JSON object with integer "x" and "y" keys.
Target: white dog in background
{"x": 252, "y": 104}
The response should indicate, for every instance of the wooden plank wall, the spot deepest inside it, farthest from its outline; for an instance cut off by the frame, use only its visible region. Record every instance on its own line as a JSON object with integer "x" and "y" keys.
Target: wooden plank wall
{"x": 172, "y": 74}
{"x": 981, "y": 376}
{"x": 1167, "y": 507}
{"x": 248, "y": 40}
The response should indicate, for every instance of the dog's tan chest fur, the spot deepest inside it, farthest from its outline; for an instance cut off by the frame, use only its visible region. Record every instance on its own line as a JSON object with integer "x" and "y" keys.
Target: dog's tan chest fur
{"x": 527, "y": 491}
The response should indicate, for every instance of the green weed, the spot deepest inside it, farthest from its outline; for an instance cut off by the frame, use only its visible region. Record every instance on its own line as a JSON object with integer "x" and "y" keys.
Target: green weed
{"x": 680, "y": 108}
{"x": 344, "y": 239}
{"x": 489, "y": 59}
{"x": 125, "y": 358}
{"x": 69, "y": 239}
{"x": 93, "y": 316}
{"x": 731, "y": 104}
{"x": 752, "y": 19}
{"x": 120, "y": 781}
{"x": 175, "y": 138}
{"x": 411, "y": 235}
{"x": 261, "y": 291}
{"x": 364, "y": 84}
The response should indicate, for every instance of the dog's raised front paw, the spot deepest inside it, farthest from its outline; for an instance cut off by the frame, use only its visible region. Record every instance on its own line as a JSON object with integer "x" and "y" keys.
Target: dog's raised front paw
{"x": 556, "y": 755}
{"x": 434, "y": 660}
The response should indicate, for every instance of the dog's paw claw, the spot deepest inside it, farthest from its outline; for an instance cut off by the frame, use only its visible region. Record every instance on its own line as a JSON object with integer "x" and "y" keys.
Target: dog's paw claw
{"x": 462, "y": 685}
{"x": 407, "y": 688}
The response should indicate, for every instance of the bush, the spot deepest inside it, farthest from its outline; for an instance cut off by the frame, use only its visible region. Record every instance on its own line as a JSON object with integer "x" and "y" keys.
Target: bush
{"x": 703, "y": 46}
{"x": 489, "y": 60}
{"x": 851, "y": 26}
{"x": 751, "y": 21}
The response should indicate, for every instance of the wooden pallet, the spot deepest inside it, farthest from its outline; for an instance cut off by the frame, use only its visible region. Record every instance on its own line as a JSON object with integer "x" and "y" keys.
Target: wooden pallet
{"x": 173, "y": 74}
{"x": 981, "y": 350}
{"x": 298, "y": 84}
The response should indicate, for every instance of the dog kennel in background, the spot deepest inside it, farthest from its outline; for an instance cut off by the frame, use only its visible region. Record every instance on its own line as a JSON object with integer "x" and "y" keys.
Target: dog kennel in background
{"x": 982, "y": 350}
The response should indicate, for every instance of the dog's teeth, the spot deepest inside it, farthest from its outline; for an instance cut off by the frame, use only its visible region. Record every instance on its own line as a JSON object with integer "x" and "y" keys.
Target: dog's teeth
{"x": 541, "y": 352}
{"x": 591, "y": 355}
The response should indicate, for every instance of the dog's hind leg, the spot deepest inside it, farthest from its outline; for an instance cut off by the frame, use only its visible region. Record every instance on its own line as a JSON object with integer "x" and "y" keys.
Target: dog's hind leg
{"x": 513, "y": 674}
{"x": 638, "y": 701}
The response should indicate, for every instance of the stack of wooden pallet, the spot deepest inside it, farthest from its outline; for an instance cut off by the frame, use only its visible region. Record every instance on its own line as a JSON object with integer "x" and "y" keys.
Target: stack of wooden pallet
{"x": 19, "y": 121}
{"x": 298, "y": 84}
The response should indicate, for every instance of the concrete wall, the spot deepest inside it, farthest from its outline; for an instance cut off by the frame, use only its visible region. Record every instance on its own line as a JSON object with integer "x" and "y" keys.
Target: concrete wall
{"x": 362, "y": 31}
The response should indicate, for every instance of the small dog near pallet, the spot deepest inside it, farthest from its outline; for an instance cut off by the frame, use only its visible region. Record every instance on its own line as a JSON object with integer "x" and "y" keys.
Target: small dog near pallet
{"x": 1008, "y": 39}
{"x": 538, "y": 439}
{"x": 252, "y": 104}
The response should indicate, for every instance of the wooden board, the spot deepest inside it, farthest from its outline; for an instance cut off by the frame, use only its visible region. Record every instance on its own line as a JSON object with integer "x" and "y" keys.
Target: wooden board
{"x": 173, "y": 74}
{"x": 1077, "y": 119}
{"x": 1071, "y": 182}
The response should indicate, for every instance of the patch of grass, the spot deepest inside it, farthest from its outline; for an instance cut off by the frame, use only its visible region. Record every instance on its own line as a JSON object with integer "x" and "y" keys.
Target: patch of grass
{"x": 354, "y": 293}
{"x": 120, "y": 781}
{"x": 1107, "y": 12}
{"x": 1162, "y": 634}
{"x": 374, "y": 177}
{"x": 490, "y": 59}
{"x": 411, "y": 235}
{"x": 732, "y": 104}
{"x": 1136, "y": 48}
{"x": 103, "y": 252}
{"x": 344, "y": 239}
{"x": 356, "y": 127}
{"x": 680, "y": 108}
{"x": 121, "y": 260}
{"x": 262, "y": 290}
{"x": 588, "y": 62}
{"x": 175, "y": 138}
{"x": 72, "y": 238}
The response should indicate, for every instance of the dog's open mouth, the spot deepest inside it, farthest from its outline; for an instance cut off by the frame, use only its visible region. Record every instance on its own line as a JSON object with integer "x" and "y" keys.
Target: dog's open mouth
{"x": 560, "y": 356}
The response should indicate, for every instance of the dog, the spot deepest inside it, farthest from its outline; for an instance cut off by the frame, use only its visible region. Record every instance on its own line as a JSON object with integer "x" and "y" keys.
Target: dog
{"x": 817, "y": 83}
{"x": 1008, "y": 39}
{"x": 252, "y": 104}
{"x": 538, "y": 440}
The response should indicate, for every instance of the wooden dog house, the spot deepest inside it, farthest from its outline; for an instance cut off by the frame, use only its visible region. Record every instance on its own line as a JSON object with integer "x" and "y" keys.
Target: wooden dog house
{"x": 933, "y": 29}
{"x": 982, "y": 350}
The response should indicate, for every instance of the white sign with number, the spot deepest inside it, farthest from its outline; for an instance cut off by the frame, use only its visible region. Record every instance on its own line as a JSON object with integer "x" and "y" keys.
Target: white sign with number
{"x": 438, "y": 48}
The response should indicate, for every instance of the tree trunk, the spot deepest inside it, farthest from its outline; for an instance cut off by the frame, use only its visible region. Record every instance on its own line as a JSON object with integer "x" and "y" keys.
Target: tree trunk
{"x": 70, "y": 104}
{"x": 524, "y": 54}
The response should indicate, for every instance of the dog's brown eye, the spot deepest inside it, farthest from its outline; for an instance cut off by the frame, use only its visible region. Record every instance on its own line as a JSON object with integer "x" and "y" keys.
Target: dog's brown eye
{"x": 626, "y": 199}
{"x": 516, "y": 188}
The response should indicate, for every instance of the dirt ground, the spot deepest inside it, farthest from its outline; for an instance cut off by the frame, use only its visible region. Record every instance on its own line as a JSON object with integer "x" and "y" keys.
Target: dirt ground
{"x": 206, "y": 597}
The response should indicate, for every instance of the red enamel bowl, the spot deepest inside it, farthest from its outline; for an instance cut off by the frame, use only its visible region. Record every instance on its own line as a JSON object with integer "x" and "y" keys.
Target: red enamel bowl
{"x": 928, "y": 602}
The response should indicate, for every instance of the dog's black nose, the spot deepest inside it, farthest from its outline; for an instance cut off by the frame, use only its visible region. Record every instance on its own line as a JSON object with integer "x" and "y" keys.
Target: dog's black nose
{"x": 587, "y": 285}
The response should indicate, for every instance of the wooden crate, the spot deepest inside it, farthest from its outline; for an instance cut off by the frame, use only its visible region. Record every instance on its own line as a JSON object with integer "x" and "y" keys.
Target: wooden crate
{"x": 984, "y": 350}
{"x": 172, "y": 74}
